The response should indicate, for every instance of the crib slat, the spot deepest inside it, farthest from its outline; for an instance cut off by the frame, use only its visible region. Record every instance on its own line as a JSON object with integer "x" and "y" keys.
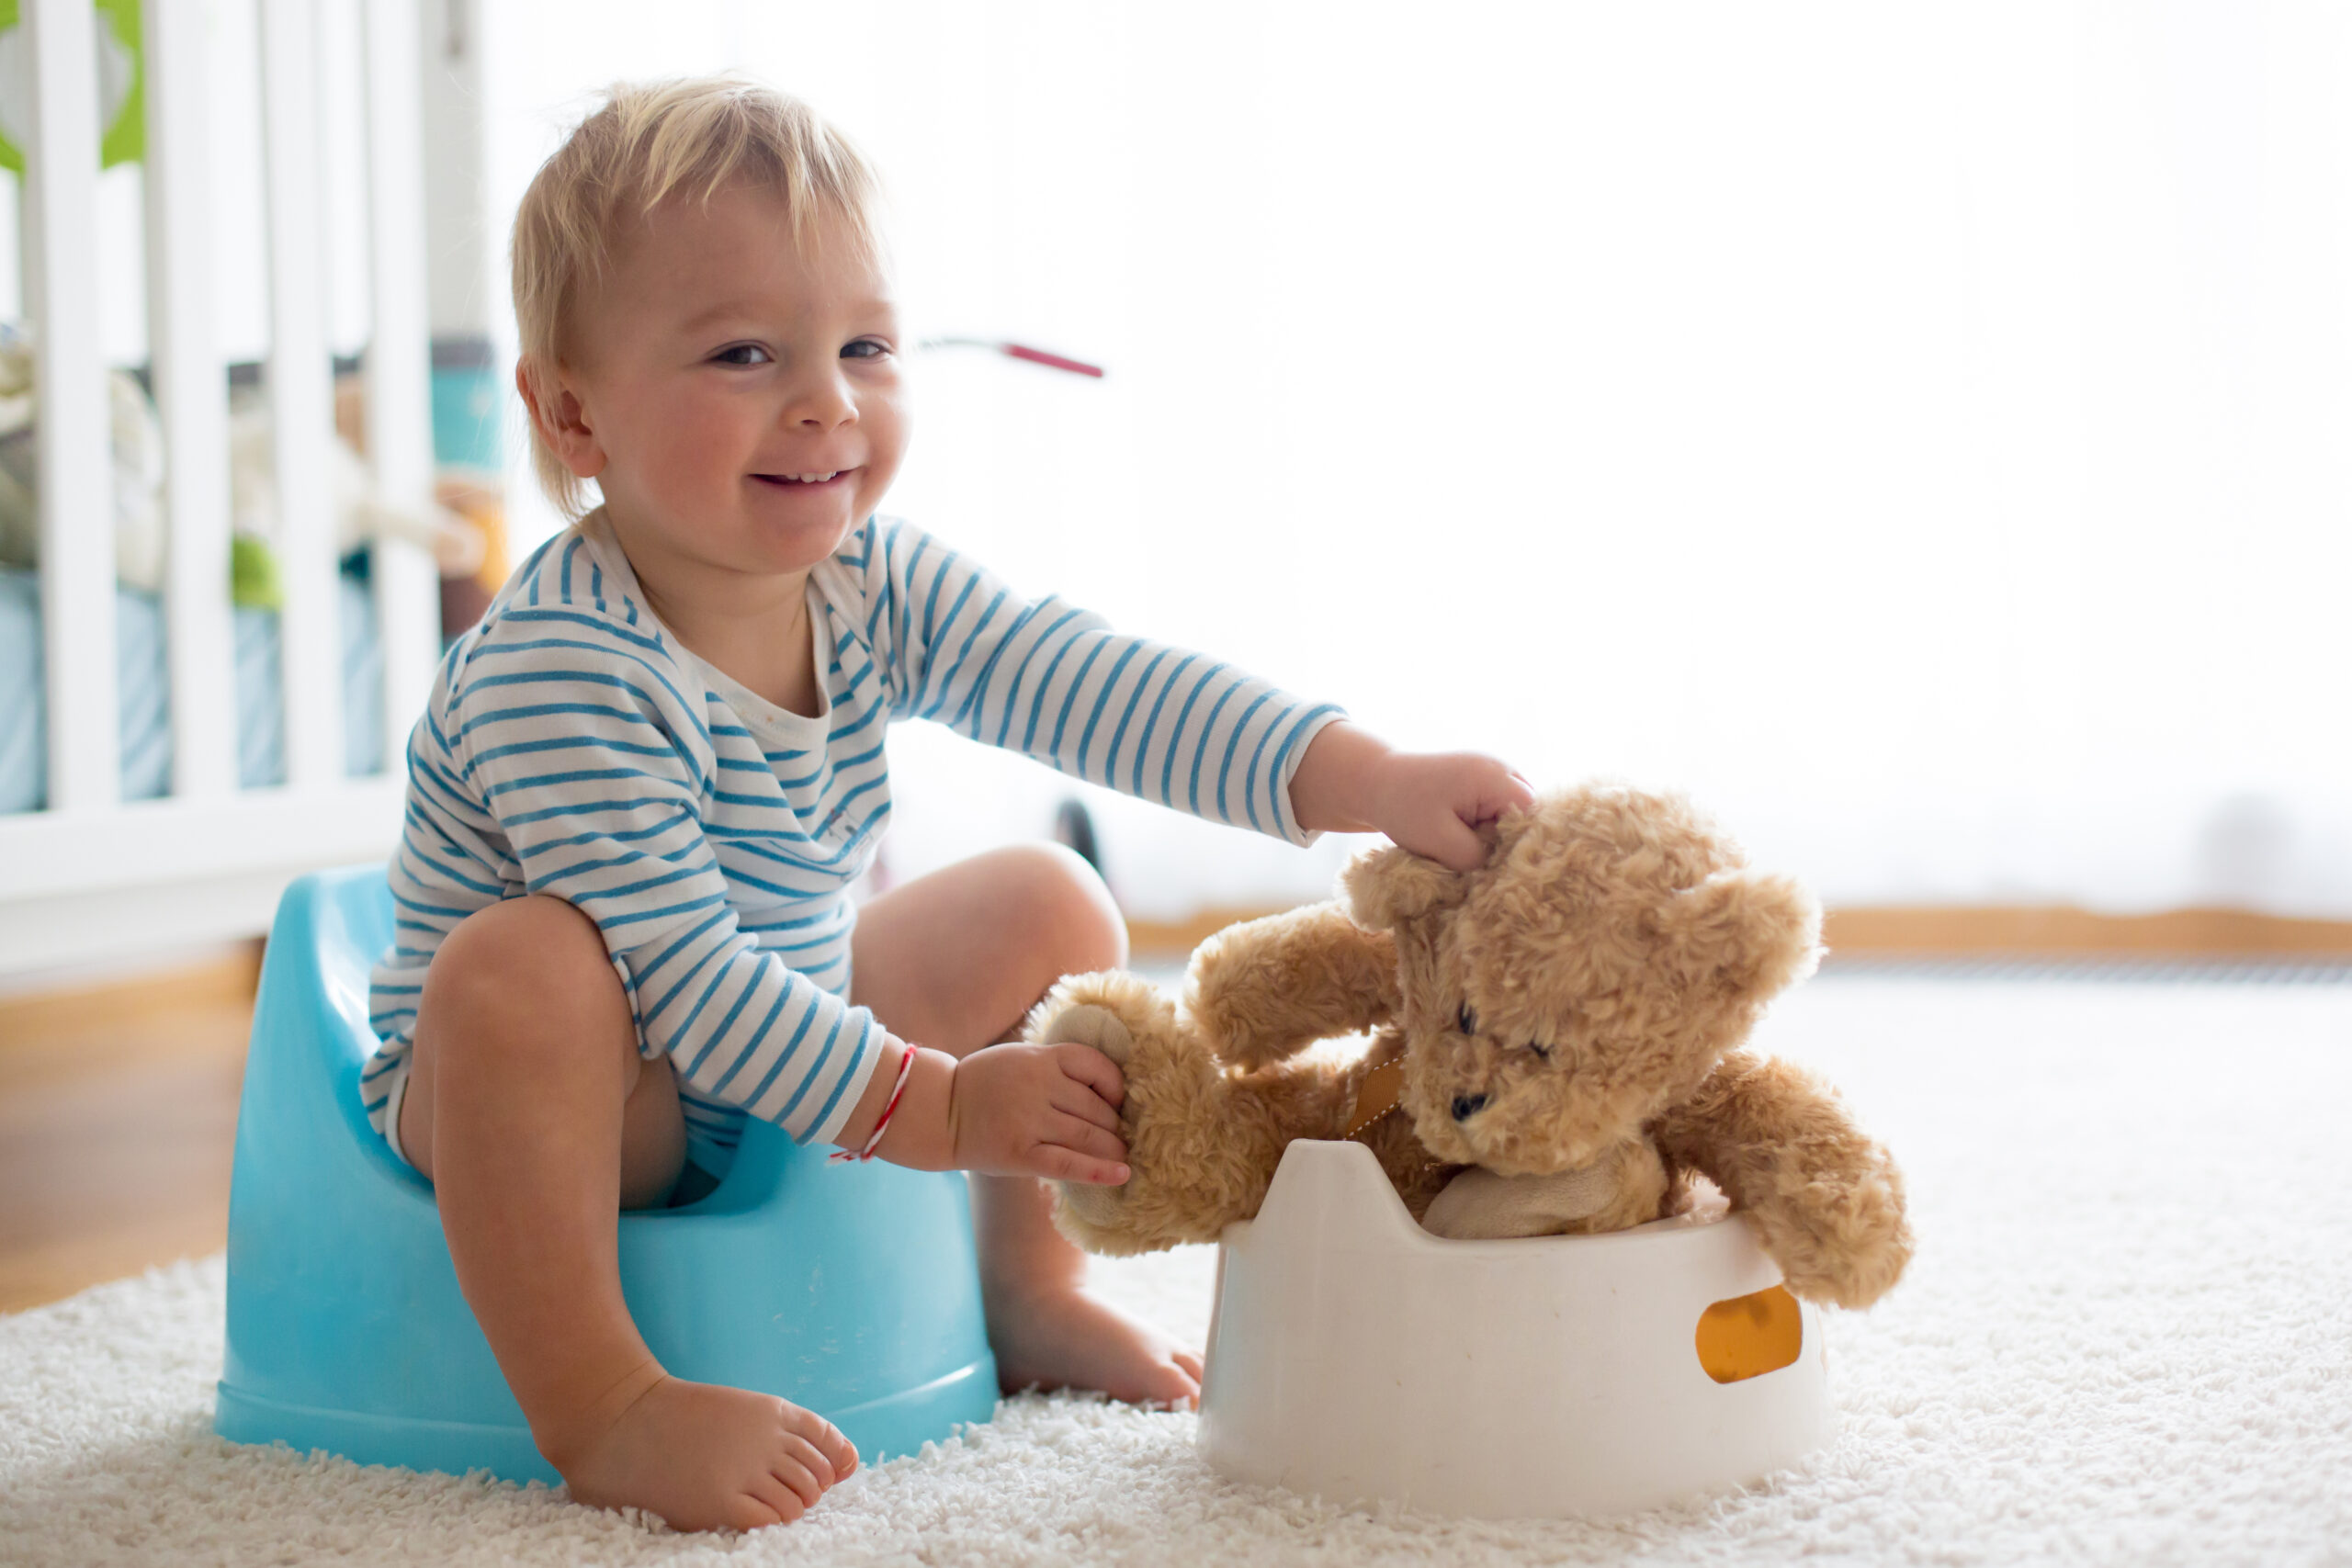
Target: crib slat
{"x": 76, "y": 470}
{"x": 399, "y": 396}
{"x": 191, "y": 396}
{"x": 301, "y": 395}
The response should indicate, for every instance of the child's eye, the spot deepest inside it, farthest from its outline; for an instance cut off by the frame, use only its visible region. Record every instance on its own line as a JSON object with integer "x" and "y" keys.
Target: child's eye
{"x": 865, "y": 348}
{"x": 744, "y": 354}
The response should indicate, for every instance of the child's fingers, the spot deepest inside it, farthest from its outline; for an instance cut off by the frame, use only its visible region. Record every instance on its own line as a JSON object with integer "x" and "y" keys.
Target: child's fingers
{"x": 1454, "y": 843}
{"x": 1518, "y": 795}
{"x": 1493, "y": 790}
{"x": 1095, "y": 1070}
{"x": 1058, "y": 1164}
{"x": 1087, "y": 1139}
{"x": 1078, "y": 1101}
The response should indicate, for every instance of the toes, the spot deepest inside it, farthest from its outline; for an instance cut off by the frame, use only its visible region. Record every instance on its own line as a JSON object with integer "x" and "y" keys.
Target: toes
{"x": 1176, "y": 1392}
{"x": 800, "y": 1451}
{"x": 1192, "y": 1362}
{"x": 1173, "y": 1384}
{"x": 773, "y": 1495}
{"x": 826, "y": 1438}
{"x": 799, "y": 1479}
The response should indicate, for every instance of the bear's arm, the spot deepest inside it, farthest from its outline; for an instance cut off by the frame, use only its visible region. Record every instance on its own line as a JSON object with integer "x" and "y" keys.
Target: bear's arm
{"x": 1264, "y": 989}
{"x": 1825, "y": 1198}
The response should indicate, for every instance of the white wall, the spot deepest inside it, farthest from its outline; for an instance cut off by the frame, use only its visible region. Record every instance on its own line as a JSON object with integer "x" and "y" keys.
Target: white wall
{"x": 1918, "y": 431}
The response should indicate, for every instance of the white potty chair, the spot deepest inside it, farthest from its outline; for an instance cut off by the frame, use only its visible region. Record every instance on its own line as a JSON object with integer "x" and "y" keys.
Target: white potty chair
{"x": 1355, "y": 1357}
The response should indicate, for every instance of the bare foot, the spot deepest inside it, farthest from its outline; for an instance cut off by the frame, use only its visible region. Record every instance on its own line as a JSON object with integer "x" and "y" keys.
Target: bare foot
{"x": 705, "y": 1457}
{"x": 1055, "y": 1336}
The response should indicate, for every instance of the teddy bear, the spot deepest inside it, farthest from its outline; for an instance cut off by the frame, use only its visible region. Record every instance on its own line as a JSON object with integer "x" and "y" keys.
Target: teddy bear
{"x": 1558, "y": 1046}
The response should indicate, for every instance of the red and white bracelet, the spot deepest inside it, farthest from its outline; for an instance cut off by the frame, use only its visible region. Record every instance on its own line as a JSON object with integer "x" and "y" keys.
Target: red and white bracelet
{"x": 906, "y": 1069}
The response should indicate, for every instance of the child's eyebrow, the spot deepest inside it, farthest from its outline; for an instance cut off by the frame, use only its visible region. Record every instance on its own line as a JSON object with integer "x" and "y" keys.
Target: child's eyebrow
{"x": 730, "y": 310}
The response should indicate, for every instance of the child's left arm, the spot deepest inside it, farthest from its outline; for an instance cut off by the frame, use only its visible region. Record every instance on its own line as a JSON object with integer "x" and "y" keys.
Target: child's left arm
{"x": 1048, "y": 680}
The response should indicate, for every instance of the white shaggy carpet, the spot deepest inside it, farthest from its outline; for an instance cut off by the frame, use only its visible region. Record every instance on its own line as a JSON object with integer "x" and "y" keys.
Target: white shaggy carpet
{"x": 2128, "y": 1338}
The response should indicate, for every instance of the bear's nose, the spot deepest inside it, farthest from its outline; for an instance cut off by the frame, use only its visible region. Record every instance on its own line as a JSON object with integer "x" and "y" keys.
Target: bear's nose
{"x": 1466, "y": 1106}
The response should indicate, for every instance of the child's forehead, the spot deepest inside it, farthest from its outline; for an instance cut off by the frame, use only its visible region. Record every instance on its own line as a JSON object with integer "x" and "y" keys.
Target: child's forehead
{"x": 741, "y": 246}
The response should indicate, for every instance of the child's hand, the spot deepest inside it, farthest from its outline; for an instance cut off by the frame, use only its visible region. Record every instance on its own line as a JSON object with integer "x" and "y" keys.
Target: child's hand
{"x": 1050, "y": 1110}
{"x": 1430, "y": 803}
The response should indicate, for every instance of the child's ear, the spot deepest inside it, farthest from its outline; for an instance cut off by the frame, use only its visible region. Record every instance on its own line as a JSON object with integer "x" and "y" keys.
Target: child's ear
{"x": 1746, "y": 931}
{"x": 1388, "y": 887}
{"x": 559, "y": 417}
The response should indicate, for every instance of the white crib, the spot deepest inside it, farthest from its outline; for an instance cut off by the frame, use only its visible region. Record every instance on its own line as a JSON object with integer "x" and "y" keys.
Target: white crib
{"x": 93, "y": 876}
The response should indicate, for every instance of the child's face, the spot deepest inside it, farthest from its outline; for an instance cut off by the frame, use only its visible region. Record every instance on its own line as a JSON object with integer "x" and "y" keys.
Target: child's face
{"x": 715, "y": 365}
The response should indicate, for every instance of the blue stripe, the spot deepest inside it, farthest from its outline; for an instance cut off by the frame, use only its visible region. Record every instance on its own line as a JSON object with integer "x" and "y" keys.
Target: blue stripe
{"x": 1224, "y": 769}
{"x": 579, "y": 618}
{"x": 1167, "y": 772}
{"x": 1046, "y": 685}
{"x": 647, "y": 971}
{"x": 807, "y": 1079}
{"x": 1013, "y": 691}
{"x": 1110, "y": 684}
{"x": 841, "y": 1085}
{"x": 979, "y": 686}
{"x": 1280, "y": 800}
{"x": 945, "y": 682}
{"x": 808, "y": 1019}
{"x": 1151, "y": 724}
{"x": 1208, "y": 728}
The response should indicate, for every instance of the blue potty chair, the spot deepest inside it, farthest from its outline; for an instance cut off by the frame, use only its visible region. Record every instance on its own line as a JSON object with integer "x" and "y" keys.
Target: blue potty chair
{"x": 853, "y": 1291}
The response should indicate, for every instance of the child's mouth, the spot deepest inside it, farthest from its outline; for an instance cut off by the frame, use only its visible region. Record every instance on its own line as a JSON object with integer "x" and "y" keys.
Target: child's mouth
{"x": 821, "y": 479}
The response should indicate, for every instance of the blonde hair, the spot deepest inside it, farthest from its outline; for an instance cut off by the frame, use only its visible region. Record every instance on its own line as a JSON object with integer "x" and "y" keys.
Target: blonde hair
{"x": 647, "y": 141}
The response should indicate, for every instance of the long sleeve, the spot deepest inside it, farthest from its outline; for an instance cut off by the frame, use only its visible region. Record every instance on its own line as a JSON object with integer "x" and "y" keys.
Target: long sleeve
{"x": 579, "y": 735}
{"x": 1053, "y": 682}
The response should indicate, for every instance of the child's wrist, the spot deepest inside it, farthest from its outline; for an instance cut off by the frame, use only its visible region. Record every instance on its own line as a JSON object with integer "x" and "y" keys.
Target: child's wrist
{"x": 1338, "y": 784}
{"x": 921, "y": 1132}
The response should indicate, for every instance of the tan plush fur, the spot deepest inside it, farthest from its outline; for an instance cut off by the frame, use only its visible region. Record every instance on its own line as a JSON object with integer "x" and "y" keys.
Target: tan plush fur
{"x": 1578, "y": 1002}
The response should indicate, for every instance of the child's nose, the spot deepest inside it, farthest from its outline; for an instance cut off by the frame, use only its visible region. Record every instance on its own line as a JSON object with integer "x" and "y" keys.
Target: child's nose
{"x": 823, "y": 402}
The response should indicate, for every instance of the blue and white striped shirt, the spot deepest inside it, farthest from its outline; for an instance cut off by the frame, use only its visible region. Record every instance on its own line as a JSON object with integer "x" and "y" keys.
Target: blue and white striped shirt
{"x": 572, "y": 746}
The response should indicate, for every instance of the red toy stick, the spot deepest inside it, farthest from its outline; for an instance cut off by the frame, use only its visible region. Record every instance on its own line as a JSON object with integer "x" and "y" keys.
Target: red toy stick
{"x": 1021, "y": 351}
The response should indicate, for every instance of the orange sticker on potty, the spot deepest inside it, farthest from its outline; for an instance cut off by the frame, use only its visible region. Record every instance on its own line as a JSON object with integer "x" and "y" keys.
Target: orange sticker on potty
{"x": 1749, "y": 1335}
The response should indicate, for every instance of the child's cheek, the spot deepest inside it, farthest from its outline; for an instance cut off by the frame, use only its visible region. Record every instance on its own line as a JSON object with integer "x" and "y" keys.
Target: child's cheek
{"x": 695, "y": 447}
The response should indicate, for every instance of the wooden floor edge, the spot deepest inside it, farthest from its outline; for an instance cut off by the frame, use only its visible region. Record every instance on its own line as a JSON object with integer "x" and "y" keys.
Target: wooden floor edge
{"x": 227, "y": 977}
{"x": 2009, "y": 931}
{"x": 2015, "y": 930}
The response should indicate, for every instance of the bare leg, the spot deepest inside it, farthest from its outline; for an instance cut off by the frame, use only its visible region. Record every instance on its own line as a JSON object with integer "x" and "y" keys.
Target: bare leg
{"x": 531, "y": 1111}
{"x": 954, "y": 961}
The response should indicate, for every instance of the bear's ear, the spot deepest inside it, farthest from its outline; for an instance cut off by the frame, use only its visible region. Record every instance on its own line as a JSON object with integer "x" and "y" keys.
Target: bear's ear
{"x": 1388, "y": 887}
{"x": 1746, "y": 932}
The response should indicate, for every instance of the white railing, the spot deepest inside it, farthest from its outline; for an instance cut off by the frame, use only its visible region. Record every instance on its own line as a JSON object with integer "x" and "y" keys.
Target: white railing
{"x": 92, "y": 875}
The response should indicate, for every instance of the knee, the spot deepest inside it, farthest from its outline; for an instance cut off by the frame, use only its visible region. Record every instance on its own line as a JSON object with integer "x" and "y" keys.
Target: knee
{"x": 534, "y": 958}
{"x": 1058, "y": 896}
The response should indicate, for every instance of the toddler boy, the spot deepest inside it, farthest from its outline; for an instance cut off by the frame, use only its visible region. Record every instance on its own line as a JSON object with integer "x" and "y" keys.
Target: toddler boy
{"x": 646, "y": 780}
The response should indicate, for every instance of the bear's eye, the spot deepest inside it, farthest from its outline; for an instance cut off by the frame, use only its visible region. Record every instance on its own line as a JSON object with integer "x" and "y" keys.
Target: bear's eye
{"x": 1543, "y": 1050}
{"x": 1466, "y": 1020}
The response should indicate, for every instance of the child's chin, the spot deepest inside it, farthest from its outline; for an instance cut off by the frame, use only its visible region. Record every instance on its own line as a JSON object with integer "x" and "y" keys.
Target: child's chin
{"x": 796, "y": 544}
